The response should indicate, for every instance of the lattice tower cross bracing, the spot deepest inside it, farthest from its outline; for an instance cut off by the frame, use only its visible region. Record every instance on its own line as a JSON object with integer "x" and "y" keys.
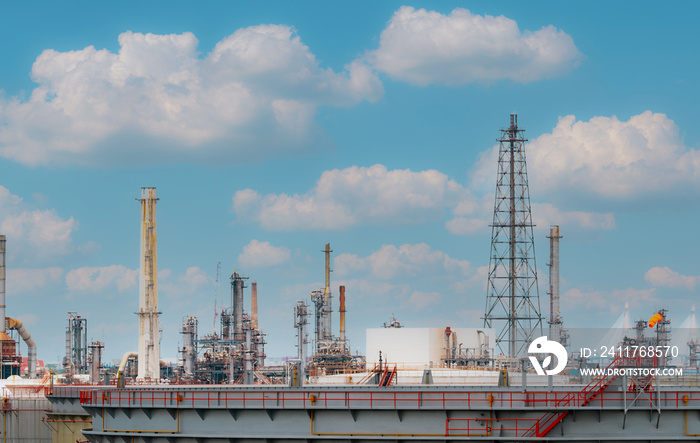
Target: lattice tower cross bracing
{"x": 149, "y": 343}
{"x": 512, "y": 299}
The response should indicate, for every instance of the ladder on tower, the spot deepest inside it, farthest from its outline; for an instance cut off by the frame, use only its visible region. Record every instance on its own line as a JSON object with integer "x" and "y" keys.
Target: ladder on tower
{"x": 589, "y": 393}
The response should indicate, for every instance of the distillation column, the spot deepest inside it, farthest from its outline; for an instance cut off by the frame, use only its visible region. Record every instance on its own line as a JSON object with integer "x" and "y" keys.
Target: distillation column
{"x": 149, "y": 344}
{"x": 342, "y": 318}
{"x": 554, "y": 315}
{"x": 301, "y": 314}
{"x": 237, "y": 304}
{"x": 327, "y": 309}
{"x": 189, "y": 338}
{"x": 248, "y": 377}
{"x": 95, "y": 358}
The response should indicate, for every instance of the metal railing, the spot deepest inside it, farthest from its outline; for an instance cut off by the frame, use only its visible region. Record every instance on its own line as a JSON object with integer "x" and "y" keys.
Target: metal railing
{"x": 360, "y": 399}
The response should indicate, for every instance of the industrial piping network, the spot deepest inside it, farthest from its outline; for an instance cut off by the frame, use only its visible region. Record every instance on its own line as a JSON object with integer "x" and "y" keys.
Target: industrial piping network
{"x": 11, "y": 323}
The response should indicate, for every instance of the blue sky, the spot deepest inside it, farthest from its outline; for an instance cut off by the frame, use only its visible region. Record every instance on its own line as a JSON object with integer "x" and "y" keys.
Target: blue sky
{"x": 272, "y": 128}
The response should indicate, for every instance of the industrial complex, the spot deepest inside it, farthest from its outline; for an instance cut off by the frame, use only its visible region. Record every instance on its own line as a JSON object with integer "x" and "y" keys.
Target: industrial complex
{"x": 518, "y": 376}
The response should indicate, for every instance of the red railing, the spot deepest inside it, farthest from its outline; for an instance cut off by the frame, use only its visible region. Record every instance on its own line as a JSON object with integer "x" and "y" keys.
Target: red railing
{"x": 595, "y": 388}
{"x": 355, "y": 399}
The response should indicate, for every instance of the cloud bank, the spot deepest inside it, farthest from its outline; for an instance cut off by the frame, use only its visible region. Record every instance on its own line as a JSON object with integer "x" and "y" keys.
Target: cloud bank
{"x": 425, "y": 47}
{"x": 666, "y": 277}
{"x": 390, "y": 261}
{"x": 356, "y": 195}
{"x": 255, "y": 94}
{"x": 257, "y": 254}
{"x": 97, "y": 279}
{"x": 35, "y": 234}
{"x": 375, "y": 195}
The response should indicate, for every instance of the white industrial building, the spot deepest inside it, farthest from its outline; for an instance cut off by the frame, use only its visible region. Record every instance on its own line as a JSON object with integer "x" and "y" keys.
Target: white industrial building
{"x": 427, "y": 347}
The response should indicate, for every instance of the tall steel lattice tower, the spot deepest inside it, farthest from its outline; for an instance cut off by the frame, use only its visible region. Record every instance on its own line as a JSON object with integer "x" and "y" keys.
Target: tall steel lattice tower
{"x": 512, "y": 298}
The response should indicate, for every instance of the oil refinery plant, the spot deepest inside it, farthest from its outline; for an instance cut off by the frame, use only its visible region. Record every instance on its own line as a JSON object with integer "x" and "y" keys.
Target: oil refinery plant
{"x": 519, "y": 376}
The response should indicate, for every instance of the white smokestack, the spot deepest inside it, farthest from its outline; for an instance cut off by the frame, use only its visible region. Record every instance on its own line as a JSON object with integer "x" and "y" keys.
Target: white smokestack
{"x": 149, "y": 343}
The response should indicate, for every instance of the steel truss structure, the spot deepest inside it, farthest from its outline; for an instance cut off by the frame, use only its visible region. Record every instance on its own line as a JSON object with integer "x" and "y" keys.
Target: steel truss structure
{"x": 512, "y": 298}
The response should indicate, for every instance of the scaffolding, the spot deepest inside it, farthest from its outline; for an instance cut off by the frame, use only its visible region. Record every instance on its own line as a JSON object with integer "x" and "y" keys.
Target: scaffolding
{"x": 512, "y": 299}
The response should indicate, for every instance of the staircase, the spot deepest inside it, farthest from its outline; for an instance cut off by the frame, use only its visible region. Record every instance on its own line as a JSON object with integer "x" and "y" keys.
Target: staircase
{"x": 599, "y": 384}
{"x": 388, "y": 376}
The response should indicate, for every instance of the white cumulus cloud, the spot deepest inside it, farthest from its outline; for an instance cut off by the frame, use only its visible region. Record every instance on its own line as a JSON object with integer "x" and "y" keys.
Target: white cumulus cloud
{"x": 546, "y": 214}
{"x": 420, "y": 300}
{"x": 257, "y": 254}
{"x": 25, "y": 280}
{"x": 543, "y": 215}
{"x": 427, "y": 47}
{"x": 96, "y": 279}
{"x": 390, "y": 261}
{"x": 253, "y": 95}
{"x": 353, "y": 196}
{"x": 194, "y": 282}
{"x": 32, "y": 233}
{"x": 666, "y": 277}
{"x": 606, "y": 157}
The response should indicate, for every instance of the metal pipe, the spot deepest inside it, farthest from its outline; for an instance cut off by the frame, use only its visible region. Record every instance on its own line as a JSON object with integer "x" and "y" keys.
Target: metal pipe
{"x": 31, "y": 344}
{"x": 149, "y": 340}
{"x": 254, "y": 304}
{"x": 125, "y": 360}
{"x": 481, "y": 338}
{"x": 2, "y": 278}
{"x": 342, "y": 316}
